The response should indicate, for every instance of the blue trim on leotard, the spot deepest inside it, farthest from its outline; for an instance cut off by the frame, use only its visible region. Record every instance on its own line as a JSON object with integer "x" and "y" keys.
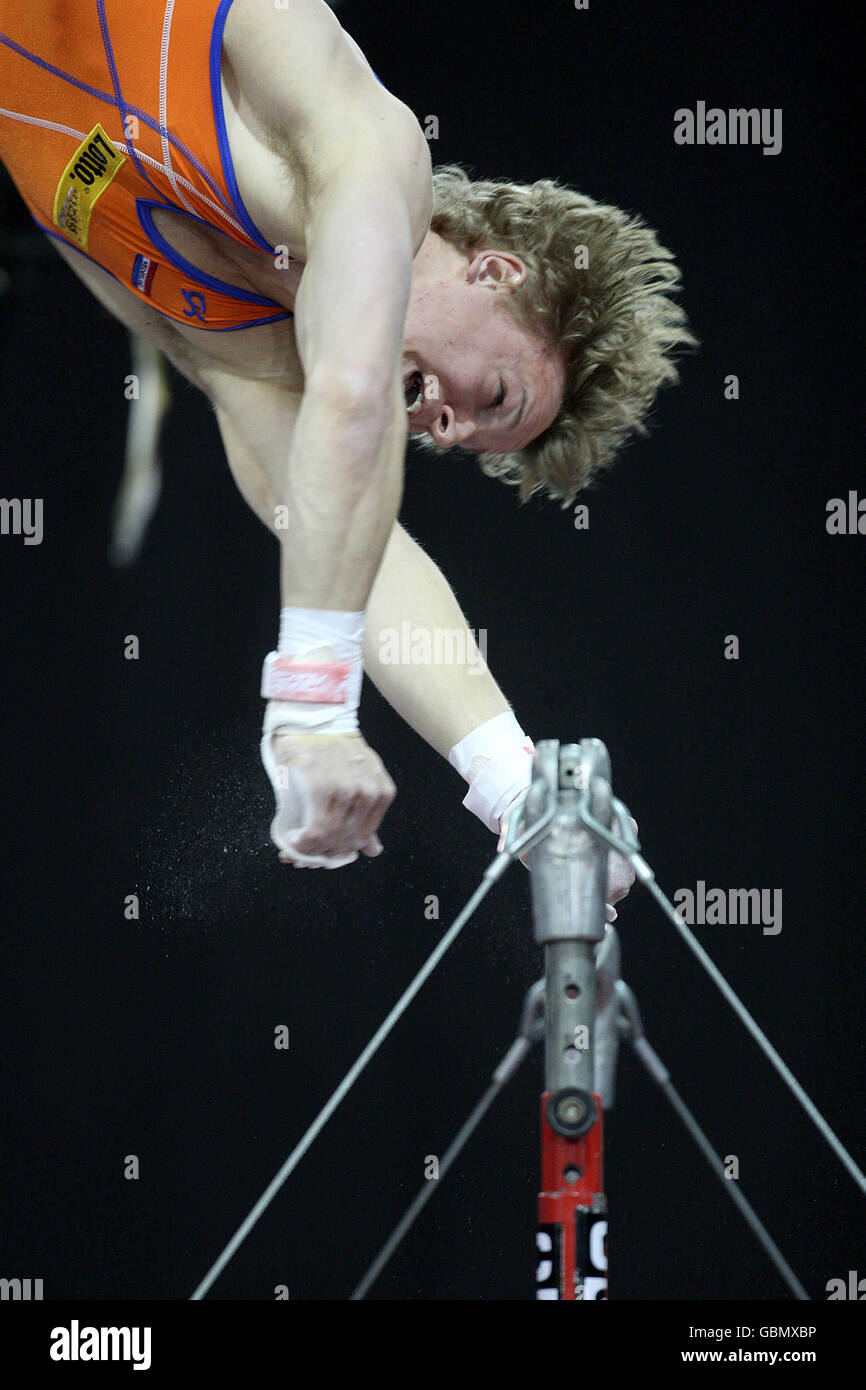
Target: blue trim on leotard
{"x": 232, "y": 328}
{"x": 222, "y": 134}
{"x": 144, "y": 207}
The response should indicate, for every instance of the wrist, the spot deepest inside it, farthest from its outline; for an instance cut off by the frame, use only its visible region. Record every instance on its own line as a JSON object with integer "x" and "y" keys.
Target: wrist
{"x": 313, "y": 681}
{"x": 496, "y": 760}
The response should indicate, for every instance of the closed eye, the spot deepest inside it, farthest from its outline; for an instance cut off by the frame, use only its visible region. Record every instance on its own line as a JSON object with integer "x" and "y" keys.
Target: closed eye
{"x": 500, "y": 397}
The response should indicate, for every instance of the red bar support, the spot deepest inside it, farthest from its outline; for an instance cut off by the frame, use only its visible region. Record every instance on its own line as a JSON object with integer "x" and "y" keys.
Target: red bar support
{"x": 572, "y": 1214}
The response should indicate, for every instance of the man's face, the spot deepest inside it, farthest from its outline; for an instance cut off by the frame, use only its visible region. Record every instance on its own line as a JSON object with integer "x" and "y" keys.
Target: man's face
{"x": 481, "y": 379}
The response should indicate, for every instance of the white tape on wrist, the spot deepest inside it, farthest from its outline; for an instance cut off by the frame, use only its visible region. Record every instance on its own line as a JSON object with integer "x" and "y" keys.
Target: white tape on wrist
{"x": 315, "y": 697}
{"x": 304, "y": 629}
{"x": 320, "y": 694}
{"x": 311, "y": 697}
{"x": 496, "y": 760}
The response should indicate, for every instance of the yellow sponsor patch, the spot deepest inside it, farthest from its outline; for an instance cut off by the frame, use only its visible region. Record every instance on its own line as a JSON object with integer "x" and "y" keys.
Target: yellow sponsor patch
{"x": 85, "y": 178}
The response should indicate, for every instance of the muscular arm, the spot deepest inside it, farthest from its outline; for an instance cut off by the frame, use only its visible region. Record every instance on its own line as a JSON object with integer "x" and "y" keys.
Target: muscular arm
{"x": 441, "y": 703}
{"x": 361, "y": 169}
{"x": 332, "y": 453}
{"x": 344, "y": 471}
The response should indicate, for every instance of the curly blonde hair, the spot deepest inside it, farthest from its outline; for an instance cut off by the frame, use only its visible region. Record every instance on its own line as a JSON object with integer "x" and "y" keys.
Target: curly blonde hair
{"x": 614, "y": 321}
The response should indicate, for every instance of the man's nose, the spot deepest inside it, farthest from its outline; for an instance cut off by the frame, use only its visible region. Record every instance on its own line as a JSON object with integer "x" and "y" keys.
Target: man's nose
{"x": 447, "y": 430}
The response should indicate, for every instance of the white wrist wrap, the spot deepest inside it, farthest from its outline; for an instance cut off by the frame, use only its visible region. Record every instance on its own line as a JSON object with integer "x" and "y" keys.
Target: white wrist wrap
{"x": 321, "y": 694}
{"x": 303, "y": 629}
{"x": 313, "y": 686}
{"x": 496, "y": 760}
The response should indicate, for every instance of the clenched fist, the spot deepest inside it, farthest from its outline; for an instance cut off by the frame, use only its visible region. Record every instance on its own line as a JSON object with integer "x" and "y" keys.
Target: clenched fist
{"x": 332, "y": 791}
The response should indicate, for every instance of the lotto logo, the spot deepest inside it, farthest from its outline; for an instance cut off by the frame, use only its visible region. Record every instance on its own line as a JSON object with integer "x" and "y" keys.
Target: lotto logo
{"x": 88, "y": 175}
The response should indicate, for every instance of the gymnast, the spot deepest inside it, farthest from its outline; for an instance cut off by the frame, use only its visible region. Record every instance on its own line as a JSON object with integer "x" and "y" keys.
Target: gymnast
{"x": 234, "y": 183}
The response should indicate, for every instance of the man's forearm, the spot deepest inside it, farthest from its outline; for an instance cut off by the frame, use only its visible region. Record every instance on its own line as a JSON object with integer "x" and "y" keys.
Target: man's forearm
{"x": 341, "y": 505}
{"x": 442, "y": 701}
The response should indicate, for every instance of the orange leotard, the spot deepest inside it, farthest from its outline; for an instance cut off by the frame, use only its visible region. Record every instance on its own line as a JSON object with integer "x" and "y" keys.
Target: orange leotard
{"x": 109, "y": 110}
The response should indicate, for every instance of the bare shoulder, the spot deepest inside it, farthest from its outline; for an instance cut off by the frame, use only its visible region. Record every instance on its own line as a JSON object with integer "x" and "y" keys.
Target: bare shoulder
{"x": 311, "y": 95}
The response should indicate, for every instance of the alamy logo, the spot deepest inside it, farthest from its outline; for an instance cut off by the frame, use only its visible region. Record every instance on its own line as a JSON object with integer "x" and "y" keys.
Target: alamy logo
{"x": 77, "y": 1343}
{"x": 437, "y": 646}
{"x": 20, "y": 1290}
{"x": 736, "y": 126}
{"x": 22, "y": 516}
{"x": 855, "y": 1288}
{"x": 736, "y": 907}
{"x": 846, "y": 520}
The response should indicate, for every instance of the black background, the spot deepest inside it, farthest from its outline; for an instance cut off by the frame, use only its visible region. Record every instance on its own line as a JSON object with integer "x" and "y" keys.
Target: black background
{"x": 156, "y": 1037}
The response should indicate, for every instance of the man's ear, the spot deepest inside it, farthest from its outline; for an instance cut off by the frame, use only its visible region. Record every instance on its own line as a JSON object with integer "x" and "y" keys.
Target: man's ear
{"x": 494, "y": 268}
